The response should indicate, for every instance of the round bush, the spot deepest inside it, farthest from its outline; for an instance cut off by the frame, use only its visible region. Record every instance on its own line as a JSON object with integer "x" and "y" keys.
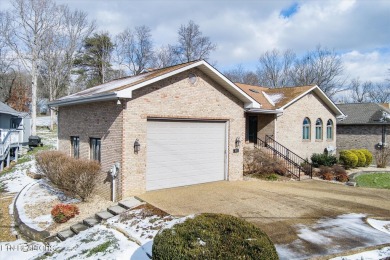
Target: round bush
{"x": 348, "y": 159}
{"x": 368, "y": 156}
{"x": 213, "y": 236}
{"x": 361, "y": 158}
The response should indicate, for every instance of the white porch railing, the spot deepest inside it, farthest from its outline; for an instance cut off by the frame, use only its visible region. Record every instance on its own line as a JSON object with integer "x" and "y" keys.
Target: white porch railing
{"x": 8, "y": 138}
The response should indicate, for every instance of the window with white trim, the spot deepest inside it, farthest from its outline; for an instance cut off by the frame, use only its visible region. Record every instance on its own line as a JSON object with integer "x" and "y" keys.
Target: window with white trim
{"x": 95, "y": 146}
{"x": 329, "y": 130}
{"x": 319, "y": 129}
{"x": 306, "y": 129}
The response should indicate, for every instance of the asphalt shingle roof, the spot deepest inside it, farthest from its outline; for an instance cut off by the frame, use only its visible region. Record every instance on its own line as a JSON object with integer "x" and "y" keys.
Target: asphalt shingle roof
{"x": 362, "y": 113}
{"x": 279, "y": 96}
{"x": 5, "y": 109}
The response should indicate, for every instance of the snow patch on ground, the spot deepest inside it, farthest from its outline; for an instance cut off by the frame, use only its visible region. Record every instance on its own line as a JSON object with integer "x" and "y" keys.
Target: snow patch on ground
{"x": 16, "y": 180}
{"x": 332, "y": 235}
{"x": 381, "y": 225}
{"x": 21, "y": 249}
{"x": 382, "y": 253}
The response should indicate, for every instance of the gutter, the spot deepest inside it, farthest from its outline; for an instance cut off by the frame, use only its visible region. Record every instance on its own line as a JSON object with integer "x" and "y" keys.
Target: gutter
{"x": 264, "y": 111}
{"x": 80, "y": 100}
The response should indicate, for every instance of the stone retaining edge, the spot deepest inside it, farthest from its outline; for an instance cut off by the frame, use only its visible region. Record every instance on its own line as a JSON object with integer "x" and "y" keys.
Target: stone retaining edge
{"x": 23, "y": 227}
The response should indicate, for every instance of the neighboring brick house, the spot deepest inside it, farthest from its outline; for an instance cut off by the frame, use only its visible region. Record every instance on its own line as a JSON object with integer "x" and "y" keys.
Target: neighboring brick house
{"x": 303, "y": 119}
{"x": 187, "y": 120}
{"x": 366, "y": 125}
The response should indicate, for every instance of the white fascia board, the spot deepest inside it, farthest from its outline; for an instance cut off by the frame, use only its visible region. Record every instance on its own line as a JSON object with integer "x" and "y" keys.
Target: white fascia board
{"x": 297, "y": 98}
{"x": 329, "y": 102}
{"x": 322, "y": 95}
{"x": 231, "y": 87}
{"x": 227, "y": 84}
{"x": 81, "y": 100}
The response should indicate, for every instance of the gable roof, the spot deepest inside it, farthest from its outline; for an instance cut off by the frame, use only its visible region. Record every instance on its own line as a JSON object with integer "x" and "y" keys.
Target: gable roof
{"x": 5, "y": 109}
{"x": 123, "y": 87}
{"x": 363, "y": 114}
{"x": 281, "y": 98}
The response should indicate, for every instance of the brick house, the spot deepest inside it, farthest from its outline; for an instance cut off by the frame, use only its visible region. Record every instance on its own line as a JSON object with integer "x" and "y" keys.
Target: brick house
{"x": 366, "y": 125}
{"x": 303, "y": 119}
{"x": 188, "y": 122}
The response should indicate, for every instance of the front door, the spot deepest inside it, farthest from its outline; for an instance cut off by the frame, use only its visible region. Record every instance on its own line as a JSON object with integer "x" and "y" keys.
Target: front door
{"x": 252, "y": 129}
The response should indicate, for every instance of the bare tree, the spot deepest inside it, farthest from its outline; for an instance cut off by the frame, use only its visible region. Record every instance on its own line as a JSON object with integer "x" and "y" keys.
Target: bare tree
{"x": 7, "y": 72}
{"x": 240, "y": 75}
{"x": 321, "y": 67}
{"x": 360, "y": 90}
{"x": 134, "y": 49}
{"x": 380, "y": 93}
{"x": 164, "y": 57}
{"x": 275, "y": 68}
{"x": 192, "y": 45}
{"x": 58, "y": 55}
{"x": 24, "y": 28}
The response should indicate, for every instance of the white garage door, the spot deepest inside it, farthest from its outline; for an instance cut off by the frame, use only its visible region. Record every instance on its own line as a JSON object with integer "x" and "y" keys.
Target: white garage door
{"x": 182, "y": 153}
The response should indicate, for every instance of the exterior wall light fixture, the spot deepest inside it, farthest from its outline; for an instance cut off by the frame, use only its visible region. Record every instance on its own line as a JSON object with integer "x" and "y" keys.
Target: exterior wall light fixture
{"x": 137, "y": 146}
{"x": 238, "y": 142}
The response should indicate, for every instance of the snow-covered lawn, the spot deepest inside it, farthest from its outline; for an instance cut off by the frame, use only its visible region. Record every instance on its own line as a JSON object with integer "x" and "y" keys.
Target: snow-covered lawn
{"x": 126, "y": 236}
{"x": 335, "y": 235}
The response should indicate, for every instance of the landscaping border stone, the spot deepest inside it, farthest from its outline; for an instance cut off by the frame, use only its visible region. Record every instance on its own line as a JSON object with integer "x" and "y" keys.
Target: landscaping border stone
{"x": 25, "y": 229}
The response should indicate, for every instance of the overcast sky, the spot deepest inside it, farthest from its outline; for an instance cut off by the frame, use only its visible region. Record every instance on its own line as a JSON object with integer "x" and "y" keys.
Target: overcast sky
{"x": 243, "y": 29}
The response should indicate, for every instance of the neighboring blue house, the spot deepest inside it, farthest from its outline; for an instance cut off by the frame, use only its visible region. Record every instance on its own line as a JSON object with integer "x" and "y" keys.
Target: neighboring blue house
{"x": 15, "y": 129}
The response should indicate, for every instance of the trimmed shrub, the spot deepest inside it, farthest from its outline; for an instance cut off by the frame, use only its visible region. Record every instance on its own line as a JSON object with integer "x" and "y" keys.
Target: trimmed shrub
{"x": 257, "y": 161}
{"x": 81, "y": 176}
{"x": 328, "y": 176}
{"x": 74, "y": 176}
{"x": 213, "y": 236}
{"x": 361, "y": 158}
{"x": 318, "y": 159}
{"x": 368, "y": 156}
{"x": 382, "y": 157}
{"x": 348, "y": 159}
{"x": 338, "y": 169}
{"x": 343, "y": 177}
{"x": 61, "y": 213}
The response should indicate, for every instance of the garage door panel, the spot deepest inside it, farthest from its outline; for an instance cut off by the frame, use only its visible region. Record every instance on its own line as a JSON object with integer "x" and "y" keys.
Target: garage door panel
{"x": 184, "y": 153}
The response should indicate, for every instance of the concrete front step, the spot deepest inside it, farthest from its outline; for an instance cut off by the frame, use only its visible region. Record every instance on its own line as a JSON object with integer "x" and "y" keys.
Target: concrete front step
{"x": 90, "y": 222}
{"x": 65, "y": 234}
{"x": 116, "y": 210}
{"x": 104, "y": 215}
{"x": 129, "y": 203}
{"x": 77, "y": 228}
{"x": 53, "y": 238}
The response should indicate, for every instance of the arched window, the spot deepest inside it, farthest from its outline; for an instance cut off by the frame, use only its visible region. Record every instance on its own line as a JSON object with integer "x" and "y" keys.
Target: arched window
{"x": 306, "y": 129}
{"x": 329, "y": 130}
{"x": 318, "y": 129}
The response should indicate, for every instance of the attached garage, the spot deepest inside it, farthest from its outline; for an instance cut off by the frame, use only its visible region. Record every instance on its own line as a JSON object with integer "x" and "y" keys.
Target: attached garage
{"x": 186, "y": 152}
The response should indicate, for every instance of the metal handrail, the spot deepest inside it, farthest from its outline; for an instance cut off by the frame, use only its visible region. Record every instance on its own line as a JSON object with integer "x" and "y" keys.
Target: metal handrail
{"x": 294, "y": 161}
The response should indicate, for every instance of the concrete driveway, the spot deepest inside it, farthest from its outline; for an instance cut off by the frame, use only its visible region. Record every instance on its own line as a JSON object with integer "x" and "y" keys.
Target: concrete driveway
{"x": 279, "y": 208}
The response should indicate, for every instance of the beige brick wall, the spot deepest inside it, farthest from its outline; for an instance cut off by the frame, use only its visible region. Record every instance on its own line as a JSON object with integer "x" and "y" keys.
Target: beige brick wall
{"x": 289, "y": 126}
{"x": 98, "y": 120}
{"x": 360, "y": 136}
{"x": 176, "y": 98}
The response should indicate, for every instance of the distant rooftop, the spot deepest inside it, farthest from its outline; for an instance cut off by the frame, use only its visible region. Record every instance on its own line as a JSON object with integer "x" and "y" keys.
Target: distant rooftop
{"x": 363, "y": 113}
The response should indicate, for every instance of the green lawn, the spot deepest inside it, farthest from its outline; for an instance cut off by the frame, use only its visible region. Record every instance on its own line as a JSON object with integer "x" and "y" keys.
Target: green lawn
{"x": 374, "y": 180}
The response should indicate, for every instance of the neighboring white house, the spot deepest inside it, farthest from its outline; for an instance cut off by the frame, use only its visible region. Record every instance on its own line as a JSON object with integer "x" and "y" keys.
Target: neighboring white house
{"x": 15, "y": 129}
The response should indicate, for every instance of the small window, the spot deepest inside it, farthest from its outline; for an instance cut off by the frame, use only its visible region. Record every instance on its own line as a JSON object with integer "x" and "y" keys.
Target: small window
{"x": 75, "y": 146}
{"x": 329, "y": 130}
{"x": 318, "y": 129}
{"x": 306, "y": 129}
{"x": 95, "y": 145}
